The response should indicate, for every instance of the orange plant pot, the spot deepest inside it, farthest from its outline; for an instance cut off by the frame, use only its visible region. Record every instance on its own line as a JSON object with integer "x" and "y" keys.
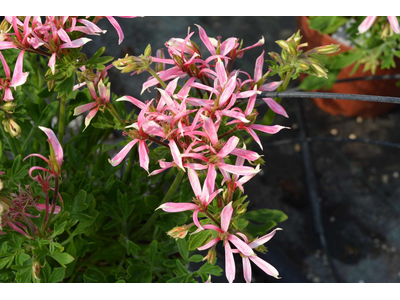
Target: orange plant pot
{"x": 351, "y": 108}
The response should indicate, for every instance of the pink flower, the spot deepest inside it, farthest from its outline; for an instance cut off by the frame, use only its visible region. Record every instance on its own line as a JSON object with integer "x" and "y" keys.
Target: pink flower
{"x": 19, "y": 77}
{"x": 226, "y": 237}
{"x": 262, "y": 264}
{"x": 56, "y": 157}
{"x": 99, "y": 103}
{"x": 369, "y": 21}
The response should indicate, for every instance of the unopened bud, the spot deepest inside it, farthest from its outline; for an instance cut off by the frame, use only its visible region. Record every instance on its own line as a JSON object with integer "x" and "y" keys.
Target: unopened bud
{"x": 36, "y": 270}
{"x": 319, "y": 71}
{"x": 329, "y": 49}
{"x": 211, "y": 255}
{"x": 304, "y": 66}
{"x": 292, "y": 49}
{"x": 9, "y": 107}
{"x": 297, "y": 38}
{"x": 289, "y": 47}
{"x": 179, "y": 232}
{"x": 12, "y": 128}
{"x": 147, "y": 51}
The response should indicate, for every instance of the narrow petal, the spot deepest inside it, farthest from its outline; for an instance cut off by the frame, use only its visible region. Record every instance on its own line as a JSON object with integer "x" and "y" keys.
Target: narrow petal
{"x": 64, "y": 36}
{"x": 209, "y": 244}
{"x": 276, "y": 107}
{"x": 83, "y": 108}
{"x": 230, "y": 270}
{"x": 238, "y": 170}
{"x": 259, "y": 67}
{"x": 246, "y": 269}
{"x": 194, "y": 182}
{"x": 269, "y": 87}
{"x": 366, "y": 24}
{"x": 144, "y": 155}
{"x": 210, "y": 182}
{"x": 228, "y": 90}
{"x": 206, "y": 40}
{"x": 228, "y": 147}
{"x": 226, "y": 216}
{"x": 394, "y": 23}
{"x": 268, "y": 129}
{"x": 176, "y": 155}
{"x": 209, "y": 127}
{"x": 19, "y": 77}
{"x": 90, "y": 116}
{"x": 177, "y": 207}
{"x": 242, "y": 246}
{"x": 5, "y": 66}
{"x": 75, "y": 43}
{"x": 133, "y": 100}
{"x": 117, "y": 27}
{"x": 262, "y": 240}
{"x": 246, "y": 154}
{"x": 121, "y": 155}
{"x": 52, "y": 63}
{"x": 54, "y": 143}
{"x": 266, "y": 267}
{"x": 221, "y": 73}
{"x": 41, "y": 207}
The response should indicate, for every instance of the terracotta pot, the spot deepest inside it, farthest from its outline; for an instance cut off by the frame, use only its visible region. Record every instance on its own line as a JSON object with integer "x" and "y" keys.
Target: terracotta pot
{"x": 351, "y": 108}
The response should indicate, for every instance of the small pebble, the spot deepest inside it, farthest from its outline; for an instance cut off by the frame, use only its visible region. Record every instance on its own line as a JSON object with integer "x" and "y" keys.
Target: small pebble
{"x": 385, "y": 179}
{"x": 395, "y": 174}
{"x": 316, "y": 279}
{"x": 376, "y": 241}
{"x": 359, "y": 120}
{"x": 295, "y": 126}
{"x": 361, "y": 281}
{"x": 352, "y": 136}
{"x": 332, "y": 219}
{"x": 297, "y": 147}
{"x": 334, "y": 131}
{"x": 393, "y": 249}
{"x": 384, "y": 247}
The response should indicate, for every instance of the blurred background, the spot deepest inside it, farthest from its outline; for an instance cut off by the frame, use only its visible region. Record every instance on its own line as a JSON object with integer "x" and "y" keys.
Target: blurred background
{"x": 329, "y": 173}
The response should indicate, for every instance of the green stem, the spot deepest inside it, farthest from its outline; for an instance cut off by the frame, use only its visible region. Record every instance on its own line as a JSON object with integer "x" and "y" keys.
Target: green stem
{"x": 61, "y": 120}
{"x": 152, "y": 72}
{"x": 53, "y": 202}
{"x": 166, "y": 198}
{"x": 269, "y": 117}
{"x": 115, "y": 114}
{"x": 129, "y": 166}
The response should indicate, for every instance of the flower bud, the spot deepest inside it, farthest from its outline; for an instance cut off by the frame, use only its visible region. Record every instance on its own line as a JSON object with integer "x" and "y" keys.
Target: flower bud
{"x": 36, "y": 270}
{"x": 303, "y": 66}
{"x": 283, "y": 44}
{"x": 329, "y": 49}
{"x": 12, "y": 128}
{"x": 212, "y": 254}
{"x": 147, "y": 51}
{"x": 179, "y": 232}
{"x": 319, "y": 71}
{"x": 9, "y": 107}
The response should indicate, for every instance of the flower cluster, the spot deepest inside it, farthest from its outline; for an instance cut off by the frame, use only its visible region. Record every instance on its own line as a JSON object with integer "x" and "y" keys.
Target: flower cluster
{"x": 369, "y": 21}
{"x": 198, "y": 123}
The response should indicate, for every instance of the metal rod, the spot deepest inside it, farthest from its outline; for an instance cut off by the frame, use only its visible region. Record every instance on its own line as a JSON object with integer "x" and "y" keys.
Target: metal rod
{"x": 357, "y": 97}
{"x": 368, "y": 78}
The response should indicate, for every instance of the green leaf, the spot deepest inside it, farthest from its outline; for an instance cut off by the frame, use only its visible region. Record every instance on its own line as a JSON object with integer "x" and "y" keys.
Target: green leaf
{"x": 210, "y": 269}
{"x": 57, "y": 275}
{"x": 63, "y": 258}
{"x": 265, "y": 220}
{"x": 181, "y": 267}
{"x": 80, "y": 203}
{"x": 65, "y": 87}
{"x": 152, "y": 250}
{"x": 198, "y": 239}
{"x": 196, "y": 258}
{"x": 183, "y": 248}
{"x": 152, "y": 202}
{"x": 179, "y": 279}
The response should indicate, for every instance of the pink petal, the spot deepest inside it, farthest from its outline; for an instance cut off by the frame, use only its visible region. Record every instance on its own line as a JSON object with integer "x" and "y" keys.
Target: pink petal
{"x": 52, "y": 62}
{"x": 246, "y": 154}
{"x": 144, "y": 155}
{"x": 55, "y": 144}
{"x": 8, "y": 95}
{"x": 228, "y": 45}
{"x": 366, "y": 24}
{"x": 75, "y": 43}
{"x": 118, "y": 28}
{"x": 176, "y": 155}
{"x": 228, "y": 90}
{"x": 37, "y": 155}
{"x": 121, "y": 155}
{"x": 266, "y": 267}
{"x": 262, "y": 240}
{"x": 5, "y": 66}
{"x": 242, "y": 246}
{"x": 6, "y": 45}
{"x": 255, "y": 136}
{"x": 210, "y": 181}
{"x": 276, "y": 107}
{"x": 269, "y": 87}
{"x": 268, "y": 129}
{"x": 133, "y": 100}
{"x": 209, "y": 127}
{"x": 177, "y": 207}
{"x": 83, "y": 108}
{"x": 394, "y": 23}
{"x": 228, "y": 147}
{"x": 205, "y": 39}
{"x": 19, "y": 78}
{"x": 258, "y": 70}
{"x": 226, "y": 216}
{"x": 212, "y": 227}
{"x": 194, "y": 182}
{"x": 209, "y": 244}
{"x": 238, "y": 170}
{"x": 196, "y": 219}
{"x": 221, "y": 73}
{"x": 230, "y": 270}
{"x": 246, "y": 269}
{"x": 90, "y": 116}
{"x": 41, "y": 207}
{"x": 64, "y": 36}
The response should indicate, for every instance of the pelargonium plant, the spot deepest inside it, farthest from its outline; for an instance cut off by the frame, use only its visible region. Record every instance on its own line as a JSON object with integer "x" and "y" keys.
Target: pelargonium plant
{"x": 374, "y": 42}
{"x": 153, "y": 207}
